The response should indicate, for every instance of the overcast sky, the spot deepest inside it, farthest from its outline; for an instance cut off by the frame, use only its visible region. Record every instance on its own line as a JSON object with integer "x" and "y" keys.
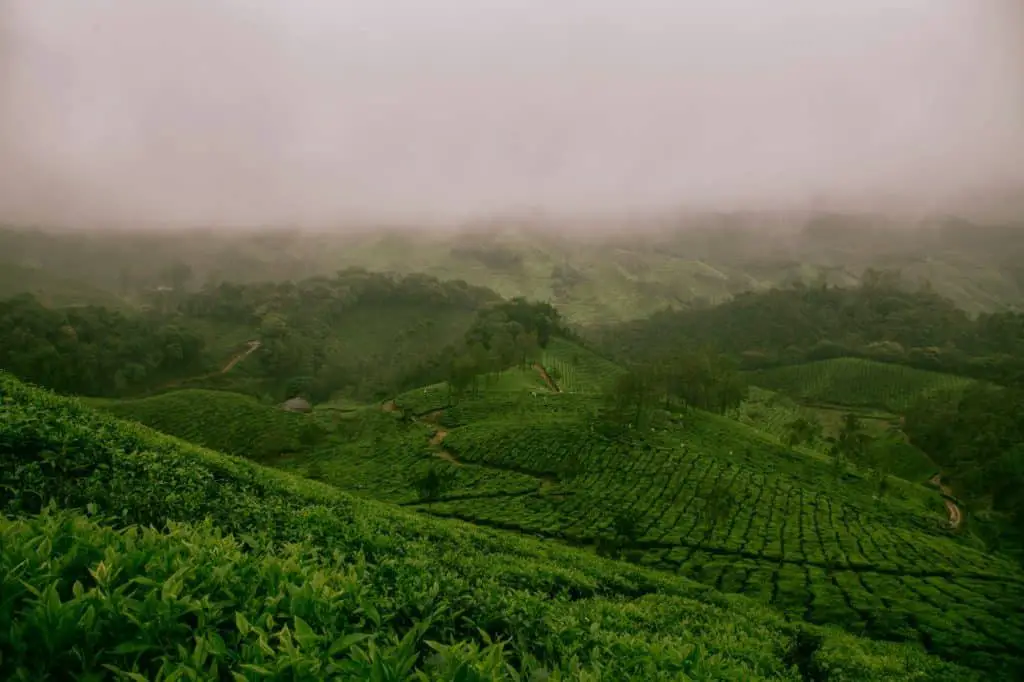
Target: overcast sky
{"x": 313, "y": 111}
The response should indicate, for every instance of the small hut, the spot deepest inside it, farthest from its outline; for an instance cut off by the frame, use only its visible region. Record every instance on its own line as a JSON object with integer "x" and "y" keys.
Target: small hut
{"x": 296, "y": 404}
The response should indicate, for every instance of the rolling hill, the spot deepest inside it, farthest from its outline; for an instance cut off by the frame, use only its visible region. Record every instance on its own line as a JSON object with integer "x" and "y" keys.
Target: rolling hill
{"x": 707, "y": 498}
{"x": 595, "y": 270}
{"x": 859, "y": 383}
{"x": 228, "y": 422}
{"x": 260, "y": 574}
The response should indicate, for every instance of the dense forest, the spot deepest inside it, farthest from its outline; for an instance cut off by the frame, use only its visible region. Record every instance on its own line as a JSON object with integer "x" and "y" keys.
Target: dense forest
{"x": 94, "y": 350}
{"x": 880, "y": 319}
{"x": 365, "y": 335}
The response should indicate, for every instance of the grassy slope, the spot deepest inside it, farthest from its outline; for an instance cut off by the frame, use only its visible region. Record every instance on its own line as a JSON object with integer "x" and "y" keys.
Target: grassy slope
{"x": 621, "y": 281}
{"x": 613, "y": 279}
{"x": 219, "y": 420}
{"x": 858, "y": 383}
{"x": 189, "y": 600}
{"x": 771, "y": 412}
{"x": 793, "y": 536}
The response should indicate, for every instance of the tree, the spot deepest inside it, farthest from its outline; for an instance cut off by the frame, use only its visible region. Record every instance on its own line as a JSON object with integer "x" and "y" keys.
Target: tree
{"x": 433, "y": 483}
{"x": 849, "y": 445}
{"x": 702, "y": 379}
{"x": 629, "y": 399}
{"x": 802, "y": 430}
{"x": 718, "y": 506}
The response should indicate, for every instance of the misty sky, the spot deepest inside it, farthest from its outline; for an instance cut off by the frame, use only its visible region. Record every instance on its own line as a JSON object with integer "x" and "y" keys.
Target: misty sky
{"x": 306, "y": 111}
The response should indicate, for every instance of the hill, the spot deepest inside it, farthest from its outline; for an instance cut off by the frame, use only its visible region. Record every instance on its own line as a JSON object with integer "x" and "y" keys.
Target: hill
{"x": 879, "y": 320}
{"x": 859, "y": 383}
{"x": 699, "y": 495}
{"x": 341, "y": 586}
{"x": 356, "y": 334}
{"x": 53, "y": 289}
{"x": 593, "y": 269}
{"x": 228, "y": 422}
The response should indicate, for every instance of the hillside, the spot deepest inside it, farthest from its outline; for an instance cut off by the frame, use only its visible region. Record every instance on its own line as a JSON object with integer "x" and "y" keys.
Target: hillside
{"x": 859, "y": 383}
{"x": 342, "y": 586}
{"x": 880, "y": 320}
{"x": 704, "y": 497}
{"x": 356, "y": 335}
{"x": 52, "y": 288}
{"x": 228, "y": 422}
{"x": 594, "y": 270}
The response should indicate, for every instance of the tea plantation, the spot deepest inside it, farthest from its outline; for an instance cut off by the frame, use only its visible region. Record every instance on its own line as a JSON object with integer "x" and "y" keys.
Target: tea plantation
{"x": 129, "y": 554}
{"x": 860, "y": 383}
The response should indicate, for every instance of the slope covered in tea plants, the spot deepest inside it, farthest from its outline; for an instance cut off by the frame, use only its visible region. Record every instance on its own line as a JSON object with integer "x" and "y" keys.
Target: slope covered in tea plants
{"x": 859, "y": 383}
{"x": 314, "y": 584}
{"x": 229, "y": 422}
{"x": 720, "y": 502}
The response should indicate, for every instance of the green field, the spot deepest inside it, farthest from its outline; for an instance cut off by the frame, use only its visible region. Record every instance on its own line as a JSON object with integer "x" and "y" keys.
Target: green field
{"x": 772, "y": 412}
{"x": 858, "y": 383}
{"x": 263, "y": 575}
{"x": 713, "y": 500}
{"x": 219, "y": 420}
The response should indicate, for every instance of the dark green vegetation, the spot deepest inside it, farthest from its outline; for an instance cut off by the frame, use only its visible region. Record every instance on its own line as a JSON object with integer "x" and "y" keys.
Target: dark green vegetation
{"x": 860, "y": 383}
{"x": 94, "y": 350}
{"x": 232, "y": 423}
{"x": 781, "y": 447}
{"x": 601, "y": 276}
{"x": 977, "y": 437}
{"x": 878, "y": 321}
{"x": 314, "y": 584}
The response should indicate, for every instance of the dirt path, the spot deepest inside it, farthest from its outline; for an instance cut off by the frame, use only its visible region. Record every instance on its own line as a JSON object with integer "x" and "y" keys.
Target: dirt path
{"x": 238, "y": 357}
{"x": 956, "y": 517}
{"x": 546, "y": 377}
{"x": 435, "y": 440}
{"x": 253, "y": 346}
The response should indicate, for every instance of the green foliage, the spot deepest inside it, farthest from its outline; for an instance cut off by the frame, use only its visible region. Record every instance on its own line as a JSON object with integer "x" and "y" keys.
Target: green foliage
{"x": 434, "y": 483}
{"x": 313, "y": 584}
{"x": 91, "y": 350}
{"x": 223, "y": 421}
{"x": 727, "y": 506}
{"x": 803, "y": 430}
{"x": 859, "y": 383}
{"x": 977, "y": 438}
{"x": 803, "y": 324}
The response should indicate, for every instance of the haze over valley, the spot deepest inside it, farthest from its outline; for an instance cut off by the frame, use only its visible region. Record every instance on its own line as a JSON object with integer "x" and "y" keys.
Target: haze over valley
{"x": 512, "y": 341}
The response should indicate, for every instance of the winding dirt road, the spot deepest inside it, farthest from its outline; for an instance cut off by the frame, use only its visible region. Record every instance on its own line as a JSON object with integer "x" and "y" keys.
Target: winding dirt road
{"x": 253, "y": 346}
{"x": 235, "y": 359}
{"x": 956, "y": 517}
{"x": 546, "y": 377}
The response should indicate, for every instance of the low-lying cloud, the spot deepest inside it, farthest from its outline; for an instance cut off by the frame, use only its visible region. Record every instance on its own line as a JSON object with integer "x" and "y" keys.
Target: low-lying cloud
{"x": 313, "y": 112}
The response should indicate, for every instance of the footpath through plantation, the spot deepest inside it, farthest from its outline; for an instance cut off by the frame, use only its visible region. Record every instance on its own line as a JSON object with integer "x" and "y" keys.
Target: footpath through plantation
{"x": 129, "y": 554}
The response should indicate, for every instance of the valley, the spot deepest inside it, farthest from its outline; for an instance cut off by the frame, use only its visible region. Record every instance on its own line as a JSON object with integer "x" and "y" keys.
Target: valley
{"x": 798, "y": 462}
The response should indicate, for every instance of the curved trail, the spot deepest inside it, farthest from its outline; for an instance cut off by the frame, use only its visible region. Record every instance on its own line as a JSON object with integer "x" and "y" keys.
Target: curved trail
{"x": 235, "y": 359}
{"x": 955, "y": 515}
{"x": 435, "y": 440}
{"x": 546, "y": 377}
{"x": 253, "y": 346}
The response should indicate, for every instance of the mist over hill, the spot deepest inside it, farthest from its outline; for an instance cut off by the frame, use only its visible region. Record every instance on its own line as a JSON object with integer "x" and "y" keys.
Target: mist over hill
{"x": 305, "y": 114}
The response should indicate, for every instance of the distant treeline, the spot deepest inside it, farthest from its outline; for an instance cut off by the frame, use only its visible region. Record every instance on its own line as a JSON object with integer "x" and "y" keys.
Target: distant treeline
{"x": 878, "y": 320}
{"x": 359, "y": 334}
{"x": 94, "y": 350}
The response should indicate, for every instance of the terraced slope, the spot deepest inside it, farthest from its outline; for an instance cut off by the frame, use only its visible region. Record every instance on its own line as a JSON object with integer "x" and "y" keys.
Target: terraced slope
{"x": 859, "y": 383}
{"x": 224, "y": 421}
{"x": 719, "y": 503}
{"x": 315, "y": 584}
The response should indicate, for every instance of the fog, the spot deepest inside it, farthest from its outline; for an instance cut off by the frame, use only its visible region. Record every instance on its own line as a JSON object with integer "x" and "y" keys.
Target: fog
{"x": 256, "y": 112}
